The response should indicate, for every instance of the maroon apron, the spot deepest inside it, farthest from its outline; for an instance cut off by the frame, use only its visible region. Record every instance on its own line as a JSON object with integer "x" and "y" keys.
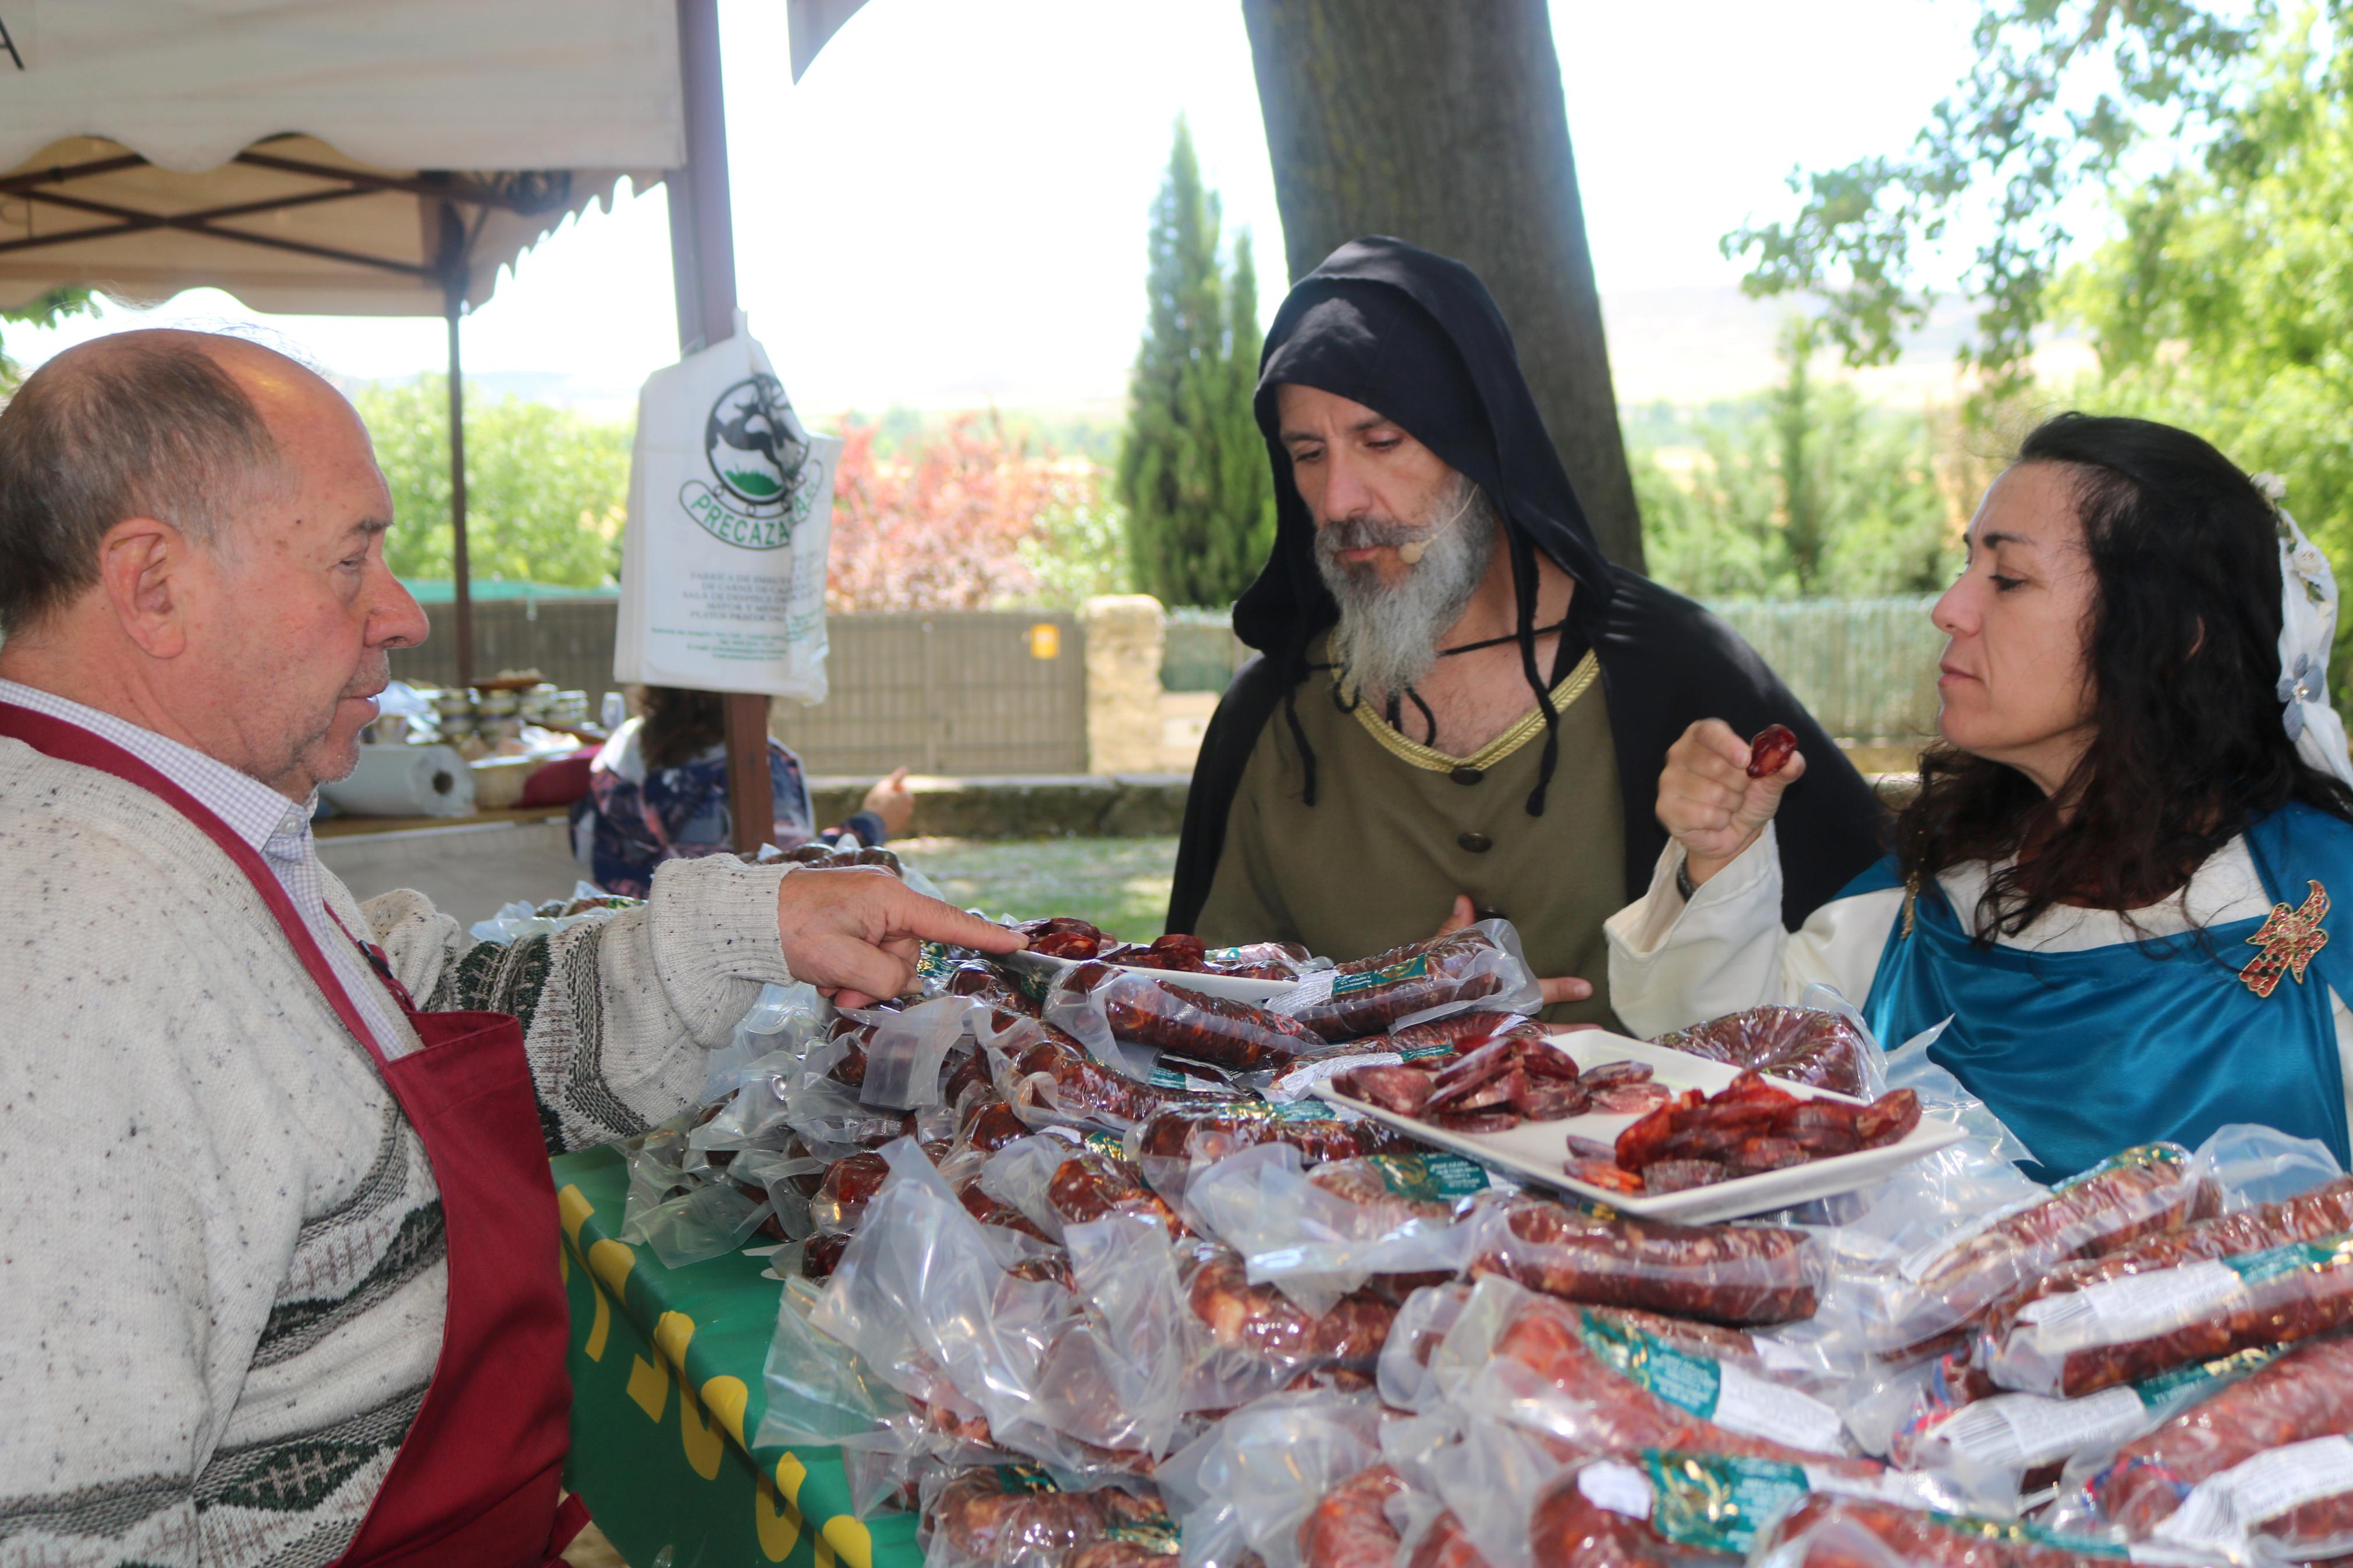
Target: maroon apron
{"x": 476, "y": 1479}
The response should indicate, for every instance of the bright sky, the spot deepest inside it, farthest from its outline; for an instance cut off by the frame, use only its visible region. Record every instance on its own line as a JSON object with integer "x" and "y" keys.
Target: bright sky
{"x": 950, "y": 208}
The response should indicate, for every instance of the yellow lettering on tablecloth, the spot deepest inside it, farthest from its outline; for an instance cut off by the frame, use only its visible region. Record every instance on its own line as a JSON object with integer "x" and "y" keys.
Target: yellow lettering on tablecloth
{"x": 610, "y": 1262}
{"x": 727, "y": 1398}
{"x": 851, "y": 1542}
{"x": 778, "y": 1523}
{"x": 790, "y": 1474}
{"x": 572, "y": 1207}
{"x": 649, "y": 1385}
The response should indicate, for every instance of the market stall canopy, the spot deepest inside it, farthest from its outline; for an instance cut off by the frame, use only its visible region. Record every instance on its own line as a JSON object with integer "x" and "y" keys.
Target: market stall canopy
{"x": 810, "y": 23}
{"x": 345, "y": 157}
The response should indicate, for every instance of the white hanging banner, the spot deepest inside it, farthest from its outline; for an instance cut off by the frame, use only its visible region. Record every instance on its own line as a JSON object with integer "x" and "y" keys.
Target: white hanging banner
{"x": 731, "y": 516}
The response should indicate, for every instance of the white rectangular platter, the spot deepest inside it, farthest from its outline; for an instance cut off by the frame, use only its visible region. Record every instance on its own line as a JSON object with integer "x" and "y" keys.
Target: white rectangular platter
{"x": 1536, "y": 1150}
{"x": 1231, "y": 986}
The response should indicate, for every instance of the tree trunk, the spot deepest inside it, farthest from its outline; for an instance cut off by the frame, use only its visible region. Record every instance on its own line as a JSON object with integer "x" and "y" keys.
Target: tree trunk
{"x": 1442, "y": 124}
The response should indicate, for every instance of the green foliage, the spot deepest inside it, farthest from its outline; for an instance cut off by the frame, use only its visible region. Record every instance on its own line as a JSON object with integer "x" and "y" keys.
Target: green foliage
{"x": 2062, "y": 93}
{"x": 1079, "y": 551}
{"x": 46, "y": 310}
{"x": 546, "y": 490}
{"x": 1192, "y": 469}
{"x": 1803, "y": 491}
{"x": 2226, "y": 306}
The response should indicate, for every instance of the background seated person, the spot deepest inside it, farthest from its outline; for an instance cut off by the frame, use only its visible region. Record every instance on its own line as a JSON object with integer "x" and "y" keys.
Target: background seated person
{"x": 1473, "y": 704}
{"x": 2116, "y": 877}
{"x": 657, "y": 792}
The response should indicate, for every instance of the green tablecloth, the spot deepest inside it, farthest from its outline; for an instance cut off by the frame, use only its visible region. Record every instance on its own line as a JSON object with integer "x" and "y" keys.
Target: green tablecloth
{"x": 666, "y": 1391}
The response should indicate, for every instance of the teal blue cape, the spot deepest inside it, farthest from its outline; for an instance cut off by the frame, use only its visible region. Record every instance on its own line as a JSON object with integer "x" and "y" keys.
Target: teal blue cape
{"x": 2086, "y": 1053}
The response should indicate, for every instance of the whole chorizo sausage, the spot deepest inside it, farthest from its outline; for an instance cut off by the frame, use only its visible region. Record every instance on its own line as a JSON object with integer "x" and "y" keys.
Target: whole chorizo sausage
{"x": 1734, "y": 1274}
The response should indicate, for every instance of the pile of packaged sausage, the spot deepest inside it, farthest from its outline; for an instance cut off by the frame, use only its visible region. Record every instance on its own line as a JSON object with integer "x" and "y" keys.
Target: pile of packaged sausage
{"x": 1078, "y": 1264}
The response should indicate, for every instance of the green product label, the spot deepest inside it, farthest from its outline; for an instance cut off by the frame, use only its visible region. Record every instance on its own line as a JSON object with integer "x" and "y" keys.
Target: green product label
{"x": 1110, "y": 1145}
{"x": 1412, "y": 968}
{"x": 1156, "y": 1535}
{"x": 1717, "y": 1503}
{"x": 1026, "y": 1479}
{"x": 1302, "y": 1111}
{"x": 2167, "y": 1386}
{"x": 1166, "y": 1078}
{"x": 1418, "y": 1052}
{"x": 1430, "y": 1178}
{"x": 2019, "y": 1533}
{"x": 933, "y": 964}
{"x": 1687, "y": 1381}
{"x": 2295, "y": 1257}
{"x": 1032, "y": 983}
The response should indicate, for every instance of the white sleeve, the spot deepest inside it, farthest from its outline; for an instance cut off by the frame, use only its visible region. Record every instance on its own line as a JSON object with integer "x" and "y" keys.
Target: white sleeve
{"x": 2344, "y": 1050}
{"x": 1673, "y": 964}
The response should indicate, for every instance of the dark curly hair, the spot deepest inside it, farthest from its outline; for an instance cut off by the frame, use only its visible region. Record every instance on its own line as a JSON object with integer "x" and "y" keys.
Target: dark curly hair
{"x": 2182, "y": 649}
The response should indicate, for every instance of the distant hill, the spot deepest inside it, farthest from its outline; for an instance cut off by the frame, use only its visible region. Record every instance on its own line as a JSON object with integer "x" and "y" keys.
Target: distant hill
{"x": 1701, "y": 345}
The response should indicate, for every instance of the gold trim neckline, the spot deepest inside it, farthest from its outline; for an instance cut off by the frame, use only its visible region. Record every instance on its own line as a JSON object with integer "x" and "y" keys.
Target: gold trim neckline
{"x": 1531, "y": 725}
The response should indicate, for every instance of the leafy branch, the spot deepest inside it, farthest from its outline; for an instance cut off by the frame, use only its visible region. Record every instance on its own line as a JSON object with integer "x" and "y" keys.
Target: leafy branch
{"x": 2006, "y": 146}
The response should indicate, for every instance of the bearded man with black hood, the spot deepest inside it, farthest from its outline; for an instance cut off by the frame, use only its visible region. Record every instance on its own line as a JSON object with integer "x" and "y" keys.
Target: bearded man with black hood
{"x": 1460, "y": 710}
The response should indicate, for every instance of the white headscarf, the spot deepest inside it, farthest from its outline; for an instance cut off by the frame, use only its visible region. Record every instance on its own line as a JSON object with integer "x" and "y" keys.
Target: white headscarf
{"x": 2307, "y": 631}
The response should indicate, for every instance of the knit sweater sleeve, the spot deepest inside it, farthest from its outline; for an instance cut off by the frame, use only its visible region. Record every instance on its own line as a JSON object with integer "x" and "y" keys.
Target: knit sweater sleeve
{"x": 616, "y": 1017}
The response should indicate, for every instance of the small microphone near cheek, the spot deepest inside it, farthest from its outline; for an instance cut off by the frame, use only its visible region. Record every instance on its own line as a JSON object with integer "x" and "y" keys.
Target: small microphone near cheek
{"x": 1413, "y": 549}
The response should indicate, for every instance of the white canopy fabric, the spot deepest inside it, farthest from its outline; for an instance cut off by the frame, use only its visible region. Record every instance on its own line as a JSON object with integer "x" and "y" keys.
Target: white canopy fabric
{"x": 345, "y": 157}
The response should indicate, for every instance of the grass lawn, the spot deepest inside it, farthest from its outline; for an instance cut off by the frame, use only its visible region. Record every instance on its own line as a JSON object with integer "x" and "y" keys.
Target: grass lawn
{"x": 1119, "y": 884}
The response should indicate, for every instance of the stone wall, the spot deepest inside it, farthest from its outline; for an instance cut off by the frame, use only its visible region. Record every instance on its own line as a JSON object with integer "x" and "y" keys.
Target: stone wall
{"x": 1125, "y": 732}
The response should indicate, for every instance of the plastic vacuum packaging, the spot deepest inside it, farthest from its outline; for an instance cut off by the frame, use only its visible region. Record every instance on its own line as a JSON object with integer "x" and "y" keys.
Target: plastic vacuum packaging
{"x": 1829, "y": 1531}
{"x": 1050, "y": 1080}
{"x": 1348, "y": 1527}
{"x": 2293, "y": 1504}
{"x": 907, "y": 1049}
{"x": 1259, "y": 1324}
{"x": 1022, "y": 1516}
{"x": 1599, "y": 1384}
{"x": 1102, "y": 1006}
{"x": 1254, "y": 1484}
{"x": 2305, "y": 1394}
{"x": 1737, "y": 1274}
{"x": 1479, "y": 966}
{"x": 937, "y": 1303}
{"x": 2024, "y": 1437}
{"x": 1941, "y": 1286}
{"x": 709, "y": 1222}
{"x": 1482, "y": 1480}
{"x": 1423, "y": 1320}
{"x": 1121, "y": 1379}
{"x": 820, "y": 1394}
{"x": 1058, "y": 1182}
{"x": 1320, "y": 1234}
{"x": 1175, "y": 1143}
{"x": 2312, "y": 1216}
{"x": 1653, "y": 1508}
{"x": 1824, "y": 1049}
{"x": 2074, "y": 1341}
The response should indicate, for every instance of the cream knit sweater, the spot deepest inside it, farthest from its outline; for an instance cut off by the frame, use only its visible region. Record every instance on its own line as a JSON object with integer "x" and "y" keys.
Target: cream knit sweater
{"x": 221, "y": 1252}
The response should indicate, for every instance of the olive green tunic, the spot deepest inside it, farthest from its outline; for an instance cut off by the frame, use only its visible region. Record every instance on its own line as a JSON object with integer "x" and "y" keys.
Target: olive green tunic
{"x": 1398, "y": 830}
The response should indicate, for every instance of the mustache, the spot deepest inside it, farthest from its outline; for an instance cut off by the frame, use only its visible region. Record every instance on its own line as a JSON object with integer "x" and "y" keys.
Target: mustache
{"x": 371, "y": 680}
{"x": 1366, "y": 533}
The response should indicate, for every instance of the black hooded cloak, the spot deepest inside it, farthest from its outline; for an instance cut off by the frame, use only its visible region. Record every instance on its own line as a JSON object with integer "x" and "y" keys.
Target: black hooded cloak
{"x": 1416, "y": 336}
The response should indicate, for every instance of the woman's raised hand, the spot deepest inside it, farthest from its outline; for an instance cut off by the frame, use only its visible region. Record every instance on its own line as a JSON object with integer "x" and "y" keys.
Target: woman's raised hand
{"x": 1707, "y": 802}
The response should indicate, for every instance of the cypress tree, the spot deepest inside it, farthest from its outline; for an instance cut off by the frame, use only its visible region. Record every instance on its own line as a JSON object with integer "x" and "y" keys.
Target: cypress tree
{"x": 1192, "y": 466}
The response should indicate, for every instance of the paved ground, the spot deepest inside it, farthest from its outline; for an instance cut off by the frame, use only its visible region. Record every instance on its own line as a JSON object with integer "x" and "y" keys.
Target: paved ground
{"x": 1120, "y": 884}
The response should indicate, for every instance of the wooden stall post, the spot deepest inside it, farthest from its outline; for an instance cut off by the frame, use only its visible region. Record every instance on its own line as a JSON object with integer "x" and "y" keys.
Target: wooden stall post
{"x": 702, "y": 266}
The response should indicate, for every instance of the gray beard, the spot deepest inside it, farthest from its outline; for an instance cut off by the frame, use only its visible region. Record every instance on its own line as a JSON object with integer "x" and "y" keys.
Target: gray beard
{"x": 1387, "y": 637}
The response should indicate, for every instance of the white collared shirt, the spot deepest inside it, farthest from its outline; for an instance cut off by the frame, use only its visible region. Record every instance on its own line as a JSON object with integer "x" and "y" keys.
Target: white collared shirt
{"x": 276, "y": 829}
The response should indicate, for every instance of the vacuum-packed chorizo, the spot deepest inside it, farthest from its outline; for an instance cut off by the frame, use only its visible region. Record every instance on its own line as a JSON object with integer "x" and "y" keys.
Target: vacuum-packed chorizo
{"x": 1735, "y": 1274}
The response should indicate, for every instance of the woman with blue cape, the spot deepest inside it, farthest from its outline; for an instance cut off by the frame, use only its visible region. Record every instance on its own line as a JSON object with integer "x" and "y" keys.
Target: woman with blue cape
{"x": 2116, "y": 877}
